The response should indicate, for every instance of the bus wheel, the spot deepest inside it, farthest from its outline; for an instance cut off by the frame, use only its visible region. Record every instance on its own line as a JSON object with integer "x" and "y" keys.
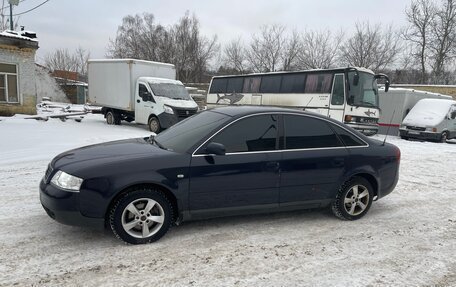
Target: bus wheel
{"x": 154, "y": 125}
{"x": 110, "y": 118}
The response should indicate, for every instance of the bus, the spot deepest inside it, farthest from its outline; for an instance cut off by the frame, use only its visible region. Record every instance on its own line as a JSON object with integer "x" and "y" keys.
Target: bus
{"x": 349, "y": 95}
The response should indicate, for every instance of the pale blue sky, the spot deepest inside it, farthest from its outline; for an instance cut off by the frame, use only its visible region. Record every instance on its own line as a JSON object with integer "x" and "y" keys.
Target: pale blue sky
{"x": 90, "y": 23}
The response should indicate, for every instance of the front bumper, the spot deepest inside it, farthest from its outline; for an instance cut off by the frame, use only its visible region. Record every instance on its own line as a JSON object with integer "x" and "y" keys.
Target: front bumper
{"x": 367, "y": 129}
{"x": 422, "y": 135}
{"x": 63, "y": 207}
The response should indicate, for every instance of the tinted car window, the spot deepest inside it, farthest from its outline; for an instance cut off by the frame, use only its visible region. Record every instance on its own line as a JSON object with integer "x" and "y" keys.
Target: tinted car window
{"x": 218, "y": 85}
{"x": 348, "y": 138}
{"x": 252, "y": 84}
{"x": 256, "y": 133}
{"x": 270, "y": 84}
{"x": 185, "y": 134}
{"x": 234, "y": 85}
{"x": 307, "y": 132}
{"x": 318, "y": 83}
{"x": 293, "y": 83}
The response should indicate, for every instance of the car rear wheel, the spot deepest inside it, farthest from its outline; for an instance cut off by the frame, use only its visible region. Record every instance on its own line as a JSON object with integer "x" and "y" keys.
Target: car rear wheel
{"x": 353, "y": 199}
{"x": 141, "y": 216}
{"x": 154, "y": 125}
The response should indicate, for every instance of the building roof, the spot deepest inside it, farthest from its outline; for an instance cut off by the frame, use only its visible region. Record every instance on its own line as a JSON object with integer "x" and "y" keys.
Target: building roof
{"x": 19, "y": 39}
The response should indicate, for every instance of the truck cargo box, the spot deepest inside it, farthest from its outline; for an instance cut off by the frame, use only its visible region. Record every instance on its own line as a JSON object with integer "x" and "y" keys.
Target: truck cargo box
{"x": 112, "y": 82}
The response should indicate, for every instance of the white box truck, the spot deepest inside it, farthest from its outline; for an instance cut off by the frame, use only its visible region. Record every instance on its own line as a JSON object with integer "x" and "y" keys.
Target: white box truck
{"x": 396, "y": 104}
{"x": 142, "y": 91}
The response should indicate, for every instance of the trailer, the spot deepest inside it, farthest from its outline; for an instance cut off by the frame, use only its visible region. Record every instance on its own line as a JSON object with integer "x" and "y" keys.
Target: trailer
{"x": 397, "y": 103}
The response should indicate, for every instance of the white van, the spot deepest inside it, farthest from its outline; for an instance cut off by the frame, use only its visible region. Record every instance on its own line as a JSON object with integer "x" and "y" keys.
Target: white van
{"x": 142, "y": 91}
{"x": 430, "y": 119}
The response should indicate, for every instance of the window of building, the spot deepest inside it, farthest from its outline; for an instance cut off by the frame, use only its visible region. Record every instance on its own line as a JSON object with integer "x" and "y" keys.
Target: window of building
{"x": 8, "y": 83}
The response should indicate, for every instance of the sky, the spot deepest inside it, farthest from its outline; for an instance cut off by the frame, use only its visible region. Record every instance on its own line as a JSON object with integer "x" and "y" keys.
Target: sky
{"x": 91, "y": 23}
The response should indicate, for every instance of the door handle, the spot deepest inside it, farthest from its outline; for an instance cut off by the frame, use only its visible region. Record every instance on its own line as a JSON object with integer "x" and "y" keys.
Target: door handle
{"x": 138, "y": 101}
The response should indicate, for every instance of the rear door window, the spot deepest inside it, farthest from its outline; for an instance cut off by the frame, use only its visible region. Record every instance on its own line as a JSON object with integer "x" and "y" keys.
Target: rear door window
{"x": 303, "y": 132}
{"x": 255, "y": 133}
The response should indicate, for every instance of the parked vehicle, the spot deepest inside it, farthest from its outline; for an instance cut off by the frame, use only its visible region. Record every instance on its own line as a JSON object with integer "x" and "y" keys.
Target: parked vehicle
{"x": 220, "y": 162}
{"x": 349, "y": 95}
{"x": 141, "y": 91}
{"x": 395, "y": 105}
{"x": 430, "y": 119}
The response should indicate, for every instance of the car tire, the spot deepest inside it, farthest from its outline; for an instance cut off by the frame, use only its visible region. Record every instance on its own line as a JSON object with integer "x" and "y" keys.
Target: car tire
{"x": 110, "y": 118}
{"x": 444, "y": 137}
{"x": 154, "y": 125}
{"x": 353, "y": 199}
{"x": 141, "y": 216}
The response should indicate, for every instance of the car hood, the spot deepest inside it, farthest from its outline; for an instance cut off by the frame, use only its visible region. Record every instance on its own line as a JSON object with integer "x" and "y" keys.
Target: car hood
{"x": 108, "y": 152}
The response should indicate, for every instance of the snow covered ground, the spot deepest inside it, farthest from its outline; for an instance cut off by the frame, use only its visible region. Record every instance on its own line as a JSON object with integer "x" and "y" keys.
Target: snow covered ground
{"x": 407, "y": 238}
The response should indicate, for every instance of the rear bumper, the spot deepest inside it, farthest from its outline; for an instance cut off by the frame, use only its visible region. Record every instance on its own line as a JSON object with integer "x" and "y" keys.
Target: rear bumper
{"x": 63, "y": 207}
{"x": 423, "y": 135}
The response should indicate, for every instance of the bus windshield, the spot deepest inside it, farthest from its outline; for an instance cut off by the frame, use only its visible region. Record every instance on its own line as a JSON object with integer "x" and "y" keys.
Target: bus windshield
{"x": 365, "y": 94}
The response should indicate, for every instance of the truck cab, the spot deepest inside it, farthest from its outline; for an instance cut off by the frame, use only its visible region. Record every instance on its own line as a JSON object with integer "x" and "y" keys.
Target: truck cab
{"x": 160, "y": 103}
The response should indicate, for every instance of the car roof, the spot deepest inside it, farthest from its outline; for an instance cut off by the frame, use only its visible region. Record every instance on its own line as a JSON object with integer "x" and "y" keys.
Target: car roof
{"x": 240, "y": 111}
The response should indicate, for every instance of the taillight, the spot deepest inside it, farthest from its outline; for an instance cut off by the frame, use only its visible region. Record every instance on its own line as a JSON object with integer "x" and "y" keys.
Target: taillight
{"x": 398, "y": 154}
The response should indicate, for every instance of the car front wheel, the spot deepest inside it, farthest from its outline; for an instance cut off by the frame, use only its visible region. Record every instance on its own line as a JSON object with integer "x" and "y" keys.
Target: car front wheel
{"x": 353, "y": 199}
{"x": 141, "y": 216}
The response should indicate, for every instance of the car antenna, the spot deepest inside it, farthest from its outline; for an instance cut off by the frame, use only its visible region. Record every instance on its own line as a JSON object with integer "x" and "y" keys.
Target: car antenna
{"x": 387, "y": 130}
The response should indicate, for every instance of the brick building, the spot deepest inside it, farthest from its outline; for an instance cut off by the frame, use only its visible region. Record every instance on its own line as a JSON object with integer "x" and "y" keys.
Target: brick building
{"x": 17, "y": 73}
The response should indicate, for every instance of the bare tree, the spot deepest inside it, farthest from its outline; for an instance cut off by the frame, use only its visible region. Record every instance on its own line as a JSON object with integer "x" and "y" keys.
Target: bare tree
{"x": 62, "y": 59}
{"x": 291, "y": 51}
{"x": 181, "y": 44}
{"x": 370, "y": 47}
{"x": 234, "y": 56}
{"x": 4, "y": 18}
{"x": 443, "y": 42}
{"x": 420, "y": 16}
{"x": 319, "y": 49}
{"x": 265, "y": 50}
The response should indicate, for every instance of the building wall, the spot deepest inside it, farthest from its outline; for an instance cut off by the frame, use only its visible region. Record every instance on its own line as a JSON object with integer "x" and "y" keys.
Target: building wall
{"x": 46, "y": 86}
{"x": 25, "y": 60}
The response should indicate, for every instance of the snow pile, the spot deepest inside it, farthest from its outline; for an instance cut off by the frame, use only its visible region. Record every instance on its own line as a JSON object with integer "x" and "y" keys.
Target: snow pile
{"x": 24, "y": 35}
{"x": 406, "y": 239}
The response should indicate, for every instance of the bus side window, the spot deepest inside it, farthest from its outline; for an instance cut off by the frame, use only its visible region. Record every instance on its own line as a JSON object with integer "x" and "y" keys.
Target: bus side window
{"x": 251, "y": 85}
{"x": 337, "y": 97}
{"x": 218, "y": 85}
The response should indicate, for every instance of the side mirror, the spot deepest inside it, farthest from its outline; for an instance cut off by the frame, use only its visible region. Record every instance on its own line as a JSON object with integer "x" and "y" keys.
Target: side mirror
{"x": 215, "y": 148}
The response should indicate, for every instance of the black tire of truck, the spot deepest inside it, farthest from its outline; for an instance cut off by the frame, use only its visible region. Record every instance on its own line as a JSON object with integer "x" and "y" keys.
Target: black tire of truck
{"x": 112, "y": 118}
{"x": 154, "y": 125}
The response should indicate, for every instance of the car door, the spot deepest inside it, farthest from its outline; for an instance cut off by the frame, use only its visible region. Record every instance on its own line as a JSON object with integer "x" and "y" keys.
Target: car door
{"x": 144, "y": 103}
{"x": 452, "y": 122}
{"x": 246, "y": 177}
{"x": 313, "y": 161}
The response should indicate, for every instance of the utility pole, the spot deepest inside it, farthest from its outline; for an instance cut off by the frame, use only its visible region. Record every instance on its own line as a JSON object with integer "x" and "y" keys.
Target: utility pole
{"x": 12, "y": 2}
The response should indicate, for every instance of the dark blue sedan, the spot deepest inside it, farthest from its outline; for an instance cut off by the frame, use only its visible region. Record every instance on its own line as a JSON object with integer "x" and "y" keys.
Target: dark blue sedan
{"x": 225, "y": 161}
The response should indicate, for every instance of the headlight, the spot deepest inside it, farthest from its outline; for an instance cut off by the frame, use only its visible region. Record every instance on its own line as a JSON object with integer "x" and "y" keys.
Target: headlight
{"x": 168, "y": 109}
{"x": 66, "y": 181}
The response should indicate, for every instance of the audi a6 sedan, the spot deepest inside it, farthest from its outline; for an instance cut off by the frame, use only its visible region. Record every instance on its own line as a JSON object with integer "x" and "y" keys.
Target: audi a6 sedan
{"x": 221, "y": 162}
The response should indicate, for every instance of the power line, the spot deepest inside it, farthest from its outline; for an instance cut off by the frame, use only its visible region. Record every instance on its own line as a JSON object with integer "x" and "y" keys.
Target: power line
{"x": 31, "y": 9}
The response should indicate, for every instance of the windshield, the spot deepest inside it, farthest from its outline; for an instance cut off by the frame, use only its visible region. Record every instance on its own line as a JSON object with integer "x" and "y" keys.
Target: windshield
{"x": 187, "y": 133}
{"x": 169, "y": 90}
{"x": 365, "y": 94}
